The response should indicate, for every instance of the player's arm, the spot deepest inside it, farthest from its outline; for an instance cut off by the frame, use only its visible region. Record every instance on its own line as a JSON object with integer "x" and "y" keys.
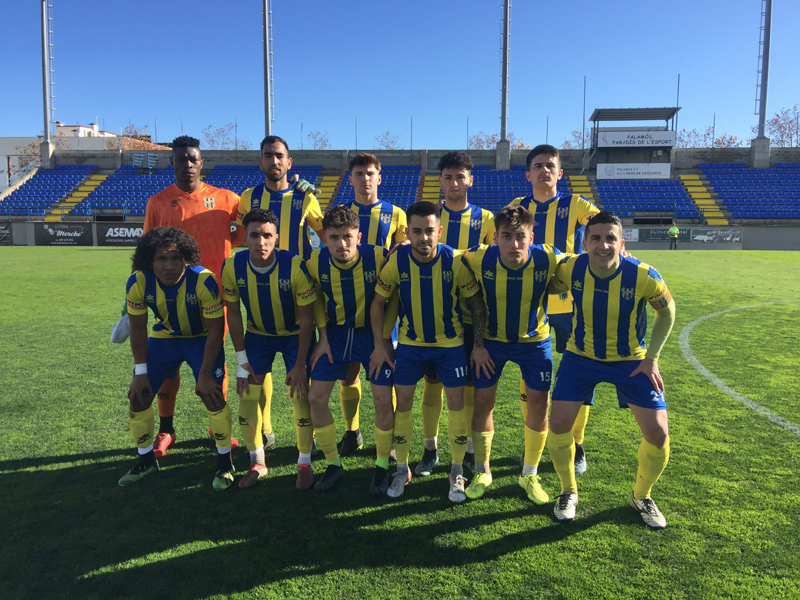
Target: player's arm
{"x": 207, "y": 388}
{"x": 314, "y": 216}
{"x": 237, "y": 234}
{"x": 663, "y": 321}
{"x": 140, "y": 384}
{"x": 230, "y": 294}
{"x": 559, "y": 282}
{"x": 322, "y": 347}
{"x": 297, "y": 377}
{"x": 382, "y": 353}
{"x": 480, "y": 359}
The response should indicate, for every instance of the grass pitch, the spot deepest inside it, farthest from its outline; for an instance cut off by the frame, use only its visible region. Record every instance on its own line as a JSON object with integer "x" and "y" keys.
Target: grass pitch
{"x": 730, "y": 492}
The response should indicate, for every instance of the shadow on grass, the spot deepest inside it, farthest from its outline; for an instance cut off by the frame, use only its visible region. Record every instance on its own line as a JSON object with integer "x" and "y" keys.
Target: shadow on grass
{"x": 73, "y": 532}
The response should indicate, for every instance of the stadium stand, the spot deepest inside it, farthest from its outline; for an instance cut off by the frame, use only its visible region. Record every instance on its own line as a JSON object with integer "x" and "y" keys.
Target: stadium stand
{"x": 627, "y": 197}
{"x": 493, "y": 189}
{"x": 399, "y": 185}
{"x": 238, "y": 178}
{"x": 47, "y": 187}
{"x": 755, "y": 193}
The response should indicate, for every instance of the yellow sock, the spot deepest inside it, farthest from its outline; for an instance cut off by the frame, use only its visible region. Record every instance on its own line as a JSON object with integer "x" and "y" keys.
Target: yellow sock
{"x": 457, "y": 434}
{"x": 523, "y": 399}
{"x": 220, "y": 422}
{"x": 562, "y": 453}
{"x": 301, "y": 411}
{"x": 326, "y": 441}
{"x": 469, "y": 406}
{"x": 383, "y": 445}
{"x": 403, "y": 430}
{"x": 652, "y": 461}
{"x": 350, "y": 397}
{"x": 482, "y": 442}
{"x": 534, "y": 446}
{"x": 250, "y": 411}
{"x": 265, "y": 402}
{"x": 142, "y": 425}
{"x": 579, "y": 428}
{"x": 431, "y": 408}
{"x": 394, "y": 399}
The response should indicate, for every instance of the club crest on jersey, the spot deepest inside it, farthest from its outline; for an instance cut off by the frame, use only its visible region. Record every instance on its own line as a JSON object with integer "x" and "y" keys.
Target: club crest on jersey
{"x": 209, "y": 202}
{"x": 447, "y": 276}
{"x": 562, "y": 212}
{"x": 540, "y": 275}
{"x": 577, "y": 285}
{"x": 191, "y": 298}
{"x": 285, "y": 284}
{"x": 297, "y": 203}
{"x": 475, "y": 224}
{"x": 386, "y": 218}
{"x": 627, "y": 293}
{"x": 404, "y": 277}
{"x": 370, "y": 276}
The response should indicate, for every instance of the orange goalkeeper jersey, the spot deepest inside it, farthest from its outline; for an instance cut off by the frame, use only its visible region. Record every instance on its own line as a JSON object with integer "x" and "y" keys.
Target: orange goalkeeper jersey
{"x": 208, "y": 214}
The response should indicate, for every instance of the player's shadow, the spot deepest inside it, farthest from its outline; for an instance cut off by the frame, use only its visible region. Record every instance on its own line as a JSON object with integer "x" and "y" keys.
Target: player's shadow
{"x": 73, "y": 532}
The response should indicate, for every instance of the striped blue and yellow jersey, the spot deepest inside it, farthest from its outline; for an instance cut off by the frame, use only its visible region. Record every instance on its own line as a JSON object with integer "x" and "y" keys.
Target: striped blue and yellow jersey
{"x": 344, "y": 292}
{"x": 516, "y": 299}
{"x": 560, "y": 223}
{"x": 464, "y": 229}
{"x": 271, "y": 298}
{"x": 296, "y": 211}
{"x": 429, "y": 295}
{"x": 610, "y": 318}
{"x": 179, "y": 310}
{"x": 381, "y": 224}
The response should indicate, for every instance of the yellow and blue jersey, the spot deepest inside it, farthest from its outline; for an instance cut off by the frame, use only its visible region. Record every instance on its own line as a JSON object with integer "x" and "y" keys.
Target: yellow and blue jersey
{"x": 346, "y": 290}
{"x": 179, "y": 310}
{"x": 271, "y": 298}
{"x": 610, "y": 317}
{"x": 466, "y": 228}
{"x": 516, "y": 299}
{"x": 296, "y": 212}
{"x": 429, "y": 295}
{"x": 381, "y": 224}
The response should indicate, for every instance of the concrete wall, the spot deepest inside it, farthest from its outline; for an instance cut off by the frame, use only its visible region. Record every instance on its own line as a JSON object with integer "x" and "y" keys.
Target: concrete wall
{"x": 771, "y": 238}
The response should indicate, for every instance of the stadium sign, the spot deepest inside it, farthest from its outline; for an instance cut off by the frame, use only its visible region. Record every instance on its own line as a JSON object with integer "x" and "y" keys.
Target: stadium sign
{"x": 635, "y": 139}
{"x": 630, "y": 235}
{"x": 62, "y": 234}
{"x": 727, "y": 235}
{"x": 5, "y": 234}
{"x": 633, "y": 171}
{"x": 118, "y": 234}
{"x": 660, "y": 235}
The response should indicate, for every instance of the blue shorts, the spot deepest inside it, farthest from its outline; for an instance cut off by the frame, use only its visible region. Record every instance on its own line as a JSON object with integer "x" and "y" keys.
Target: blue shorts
{"x": 349, "y": 345}
{"x": 469, "y": 340}
{"x": 535, "y": 362}
{"x": 577, "y": 377}
{"x": 261, "y": 351}
{"x": 449, "y": 364}
{"x": 165, "y": 355}
{"x": 561, "y": 323}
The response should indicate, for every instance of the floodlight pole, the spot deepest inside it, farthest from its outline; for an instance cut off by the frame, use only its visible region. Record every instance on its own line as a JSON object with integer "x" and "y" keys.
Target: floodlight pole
{"x": 762, "y": 106}
{"x": 268, "y": 98}
{"x": 45, "y": 73}
{"x": 504, "y": 88}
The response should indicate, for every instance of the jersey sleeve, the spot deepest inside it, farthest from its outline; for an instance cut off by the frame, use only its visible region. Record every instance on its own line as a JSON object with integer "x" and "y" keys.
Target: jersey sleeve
{"x": 149, "y": 215}
{"x": 388, "y": 279}
{"x": 313, "y": 213}
{"x": 559, "y": 284}
{"x": 209, "y": 295}
{"x": 304, "y": 293}
{"x": 402, "y": 225}
{"x": 134, "y": 294}
{"x": 488, "y": 228}
{"x": 586, "y": 210}
{"x": 465, "y": 279}
{"x": 656, "y": 290}
{"x": 244, "y": 206}
{"x": 230, "y": 290}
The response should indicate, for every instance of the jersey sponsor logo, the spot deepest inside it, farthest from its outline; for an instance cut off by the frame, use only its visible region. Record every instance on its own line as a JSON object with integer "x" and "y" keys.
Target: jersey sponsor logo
{"x": 191, "y": 298}
{"x": 383, "y": 286}
{"x": 209, "y": 202}
{"x": 577, "y": 285}
{"x": 241, "y": 282}
{"x": 404, "y": 277}
{"x": 447, "y": 276}
{"x": 627, "y": 293}
{"x": 370, "y": 276}
{"x": 386, "y": 218}
{"x": 285, "y": 284}
{"x": 661, "y": 300}
{"x": 150, "y": 299}
{"x": 475, "y": 224}
{"x": 305, "y": 294}
{"x": 487, "y": 274}
{"x": 136, "y": 306}
{"x": 324, "y": 277}
{"x": 212, "y": 308}
{"x": 229, "y": 292}
{"x": 540, "y": 275}
{"x": 562, "y": 212}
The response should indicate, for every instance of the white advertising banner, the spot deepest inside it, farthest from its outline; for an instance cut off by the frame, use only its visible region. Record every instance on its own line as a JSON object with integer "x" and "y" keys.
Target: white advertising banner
{"x": 633, "y": 139}
{"x": 630, "y": 235}
{"x": 633, "y": 171}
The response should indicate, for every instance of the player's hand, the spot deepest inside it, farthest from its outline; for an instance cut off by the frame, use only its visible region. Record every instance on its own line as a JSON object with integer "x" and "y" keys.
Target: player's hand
{"x": 210, "y": 392}
{"x": 243, "y": 383}
{"x": 381, "y": 355}
{"x": 394, "y": 248}
{"x": 321, "y": 348}
{"x": 302, "y": 185}
{"x": 481, "y": 361}
{"x": 140, "y": 387}
{"x": 650, "y": 368}
{"x": 297, "y": 380}
{"x": 626, "y": 254}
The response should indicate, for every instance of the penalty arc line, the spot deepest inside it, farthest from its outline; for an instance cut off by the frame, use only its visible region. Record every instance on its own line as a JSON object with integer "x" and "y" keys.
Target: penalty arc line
{"x": 683, "y": 342}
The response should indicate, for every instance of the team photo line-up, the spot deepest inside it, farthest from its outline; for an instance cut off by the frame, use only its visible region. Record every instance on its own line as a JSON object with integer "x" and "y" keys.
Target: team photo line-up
{"x": 445, "y": 292}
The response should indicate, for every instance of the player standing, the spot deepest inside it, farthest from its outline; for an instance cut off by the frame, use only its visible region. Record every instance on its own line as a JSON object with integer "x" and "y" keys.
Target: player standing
{"x": 429, "y": 278}
{"x": 187, "y": 306}
{"x": 345, "y": 274}
{"x": 607, "y": 344}
{"x": 207, "y": 214}
{"x": 560, "y": 219}
{"x": 275, "y": 288}
{"x": 464, "y": 225}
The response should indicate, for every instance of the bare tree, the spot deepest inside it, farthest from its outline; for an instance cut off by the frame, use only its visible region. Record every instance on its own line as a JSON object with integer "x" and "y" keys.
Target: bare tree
{"x": 128, "y": 137}
{"x": 30, "y": 152}
{"x": 483, "y": 141}
{"x": 387, "y": 141}
{"x": 783, "y": 129}
{"x": 319, "y": 140}
{"x": 222, "y": 138}
{"x": 692, "y": 138}
{"x": 577, "y": 139}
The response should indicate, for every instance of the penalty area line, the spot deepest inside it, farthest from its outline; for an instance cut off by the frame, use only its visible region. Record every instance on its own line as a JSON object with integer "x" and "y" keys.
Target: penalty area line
{"x": 683, "y": 342}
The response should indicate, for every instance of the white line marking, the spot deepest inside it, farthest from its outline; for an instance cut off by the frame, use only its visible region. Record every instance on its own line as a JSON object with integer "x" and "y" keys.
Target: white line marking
{"x": 683, "y": 342}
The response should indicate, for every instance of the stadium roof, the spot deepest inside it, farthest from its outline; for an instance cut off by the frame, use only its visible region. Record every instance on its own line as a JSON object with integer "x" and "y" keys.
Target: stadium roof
{"x": 634, "y": 114}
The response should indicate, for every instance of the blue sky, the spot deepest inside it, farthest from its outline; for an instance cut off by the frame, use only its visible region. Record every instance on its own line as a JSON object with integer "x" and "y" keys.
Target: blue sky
{"x": 384, "y": 63}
